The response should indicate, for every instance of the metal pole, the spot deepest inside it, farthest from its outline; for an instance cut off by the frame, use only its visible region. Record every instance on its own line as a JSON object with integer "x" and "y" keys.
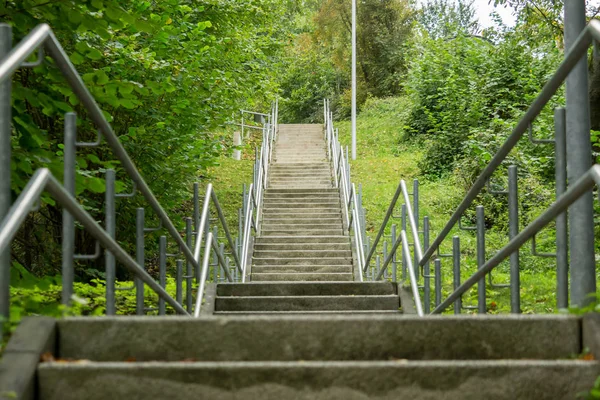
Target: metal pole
{"x": 456, "y": 267}
{"x": 416, "y": 218}
{"x": 481, "y": 258}
{"x": 196, "y": 207}
{"x": 5, "y": 147}
{"x": 394, "y": 265}
{"x": 579, "y": 159}
{"x": 426, "y": 279}
{"x": 354, "y": 79}
{"x": 438, "y": 281}
{"x": 110, "y": 229}
{"x": 188, "y": 266}
{"x": 404, "y": 229}
{"x": 179, "y": 282}
{"x": 140, "y": 258}
{"x": 162, "y": 271}
{"x": 562, "y": 234}
{"x": 513, "y": 230}
{"x": 68, "y": 228}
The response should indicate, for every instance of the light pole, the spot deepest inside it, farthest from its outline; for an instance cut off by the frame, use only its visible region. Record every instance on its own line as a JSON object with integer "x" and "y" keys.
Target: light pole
{"x": 354, "y": 79}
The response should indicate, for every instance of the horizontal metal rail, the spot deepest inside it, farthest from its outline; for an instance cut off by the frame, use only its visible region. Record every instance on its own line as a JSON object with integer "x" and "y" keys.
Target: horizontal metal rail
{"x": 579, "y": 188}
{"x": 577, "y": 50}
{"x": 43, "y": 180}
{"x": 43, "y": 35}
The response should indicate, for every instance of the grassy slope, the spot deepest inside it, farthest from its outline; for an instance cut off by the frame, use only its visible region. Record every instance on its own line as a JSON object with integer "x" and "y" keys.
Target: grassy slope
{"x": 383, "y": 159}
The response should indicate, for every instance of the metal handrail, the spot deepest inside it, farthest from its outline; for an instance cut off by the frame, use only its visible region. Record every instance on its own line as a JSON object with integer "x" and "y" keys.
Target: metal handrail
{"x": 411, "y": 273}
{"x": 578, "y": 50}
{"x": 579, "y": 188}
{"x": 43, "y": 181}
{"x": 340, "y": 168}
{"x": 43, "y": 35}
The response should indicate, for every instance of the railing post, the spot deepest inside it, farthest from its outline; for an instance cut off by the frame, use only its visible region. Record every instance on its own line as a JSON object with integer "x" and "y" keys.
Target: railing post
{"x": 110, "y": 229}
{"x": 179, "y": 282}
{"x": 188, "y": 266}
{"x": 140, "y": 258}
{"x": 481, "y": 259}
{"x": 579, "y": 158}
{"x": 438, "y": 281}
{"x": 403, "y": 213}
{"x": 162, "y": 271}
{"x": 394, "y": 264}
{"x": 562, "y": 235}
{"x": 456, "y": 268}
{"x": 5, "y": 147}
{"x": 426, "y": 279}
{"x": 513, "y": 230}
{"x": 68, "y": 228}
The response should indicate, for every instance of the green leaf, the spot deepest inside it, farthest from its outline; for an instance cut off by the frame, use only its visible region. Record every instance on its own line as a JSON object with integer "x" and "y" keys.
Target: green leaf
{"x": 77, "y": 58}
{"x": 94, "y": 54}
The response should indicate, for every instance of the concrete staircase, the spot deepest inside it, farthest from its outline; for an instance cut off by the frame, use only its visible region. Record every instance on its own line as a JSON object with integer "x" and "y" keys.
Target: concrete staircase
{"x": 318, "y": 357}
{"x": 302, "y": 260}
{"x": 338, "y": 339}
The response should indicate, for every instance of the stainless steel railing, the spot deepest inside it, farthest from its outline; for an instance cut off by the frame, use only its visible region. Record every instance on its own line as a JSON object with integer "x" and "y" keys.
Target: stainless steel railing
{"x": 516, "y": 239}
{"x": 253, "y": 201}
{"x": 353, "y": 212}
{"x": 43, "y": 180}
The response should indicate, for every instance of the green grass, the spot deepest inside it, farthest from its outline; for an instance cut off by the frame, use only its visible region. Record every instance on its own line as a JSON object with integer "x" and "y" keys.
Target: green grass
{"x": 383, "y": 158}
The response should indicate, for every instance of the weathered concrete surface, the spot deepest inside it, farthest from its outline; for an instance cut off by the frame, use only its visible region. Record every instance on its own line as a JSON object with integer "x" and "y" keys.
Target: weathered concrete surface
{"x": 305, "y": 289}
{"x": 399, "y": 379}
{"x": 329, "y": 337}
{"x": 32, "y": 338}
{"x": 307, "y": 303}
{"x": 591, "y": 333}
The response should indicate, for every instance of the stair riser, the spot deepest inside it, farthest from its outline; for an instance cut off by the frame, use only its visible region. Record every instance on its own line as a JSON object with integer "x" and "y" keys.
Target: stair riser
{"x": 312, "y": 303}
{"x": 288, "y": 221}
{"x": 317, "y": 381}
{"x": 303, "y": 253}
{"x": 303, "y": 232}
{"x": 319, "y": 338}
{"x": 288, "y": 269}
{"x": 306, "y": 289}
{"x": 298, "y": 247}
{"x": 303, "y": 261}
{"x": 302, "y": 277}
{"x": 303, "y": 240}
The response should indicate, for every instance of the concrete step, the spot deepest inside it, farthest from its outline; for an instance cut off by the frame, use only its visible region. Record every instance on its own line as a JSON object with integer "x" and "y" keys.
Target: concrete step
{"x": 288, "y": 227}
{"x": 293, "y": 338}
{"x": 303, "y": 232}
{"x": 301, "y": 210}
{"x": 302, "y": 253}
{"x": 307, "y": 289}
{"x": 300, "y": 246}
{"x": 303, "y": 191}
{"x": 302, "y": 260}
{"x": 302, "y": 277}
{"x": 302, "y": 174}
{"x": 292, "y": 195}
{"x": 277, "y": 182}
{"x": 299, "y": 220}
{"x": 306, "y": 303}
{"x": 298, "y": 186}
{"x": 347, "y": 269}
{"x": 315, "y": 380}
{"x": 301, "y": 203}
{"x": 299, "y": 215}
{"x": 327, "y": 312}
{"x": 303, "y": 239}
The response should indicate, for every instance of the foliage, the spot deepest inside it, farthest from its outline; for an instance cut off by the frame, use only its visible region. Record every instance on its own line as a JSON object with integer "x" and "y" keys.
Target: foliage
{"x": 167, "y": 75}
{"x": 444, "y": 20}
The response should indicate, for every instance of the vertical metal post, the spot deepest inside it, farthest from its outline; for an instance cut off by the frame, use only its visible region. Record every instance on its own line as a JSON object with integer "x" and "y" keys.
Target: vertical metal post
{"x": 416, "y": 215}
{"x": 438, "y": 281}
{"x": 196, "y": 207}
{"x": 426, "y": 271}
{"x": 481, "y": 258}
{"x": 377, "y": 265}
{"x": 353, "y": 79}
{"x": 68, "y": 228}
{"x": 562, "y": 234}
{"x": 394, "y": 265}
{"x": 404, "y": 263}
{"x": 215, "y": 258}
{"x": 385, "y": 254}
{"x": 140, "y": 258}
{"x": 579, "y": 159}
{"x": 162, "y": 271}
{"x": 179, "y": 282}
{"x": 5, "y": 149}
{"x": 456, "y": 267}
{"x": 513, "y": 230}
{"x": 110, "y": 229}
{"x": 188, "y": 266}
